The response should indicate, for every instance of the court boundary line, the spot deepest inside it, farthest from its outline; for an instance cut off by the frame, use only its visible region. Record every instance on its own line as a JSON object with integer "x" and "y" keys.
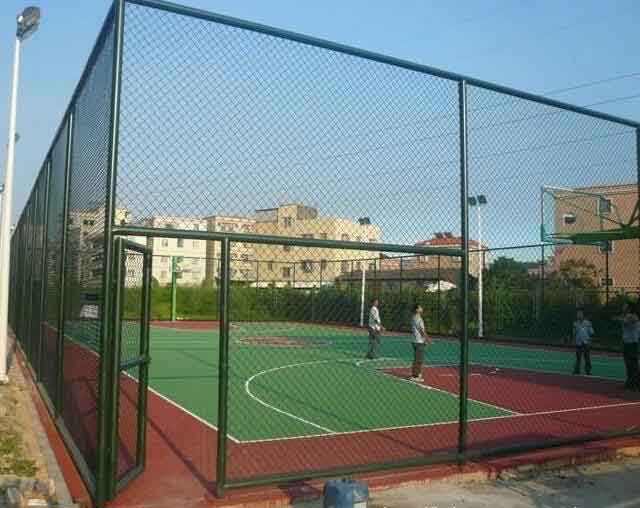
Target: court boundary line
{"x": 435, "y": 424}
{"x": 330, "y": 432}
{"x": 276, "y": 409}
{"x": 512, "y": 414}
{"x": 153, "y": 390}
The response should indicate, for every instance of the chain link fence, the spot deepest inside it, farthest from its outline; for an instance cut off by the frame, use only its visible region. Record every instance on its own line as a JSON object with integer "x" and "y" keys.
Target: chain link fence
{"x": 288, "y": 187}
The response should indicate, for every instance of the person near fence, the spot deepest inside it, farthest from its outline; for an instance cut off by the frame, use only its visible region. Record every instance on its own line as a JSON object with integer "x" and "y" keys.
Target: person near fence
{"x": 420, "y": 338}
{"x": 375, "y": 329}
{"x": 582, "y": 333}
{"x": 630, "y": 338}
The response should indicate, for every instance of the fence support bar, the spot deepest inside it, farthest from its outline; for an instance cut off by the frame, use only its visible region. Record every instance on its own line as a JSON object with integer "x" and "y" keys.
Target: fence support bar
{"x": 223, "y": 367}
{"x": 464, "y": 275}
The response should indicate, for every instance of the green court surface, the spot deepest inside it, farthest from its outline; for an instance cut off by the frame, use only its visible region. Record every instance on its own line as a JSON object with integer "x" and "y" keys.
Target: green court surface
{"x": 295, "y": 380}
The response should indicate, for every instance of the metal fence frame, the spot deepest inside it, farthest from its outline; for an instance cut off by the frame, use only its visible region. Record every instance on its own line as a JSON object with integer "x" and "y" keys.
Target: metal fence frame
{"x": 100, "y": 483}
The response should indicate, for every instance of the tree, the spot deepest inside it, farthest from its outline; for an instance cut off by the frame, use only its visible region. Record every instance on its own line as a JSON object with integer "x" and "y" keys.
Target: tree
{"x": 575, "y": 273}
{"x": 507, "y": 272}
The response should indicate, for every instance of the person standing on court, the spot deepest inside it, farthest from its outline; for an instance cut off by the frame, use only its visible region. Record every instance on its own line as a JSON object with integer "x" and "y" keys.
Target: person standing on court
{"x": 375, "y": 328}
{"x": 420, "y": 338}
{"x": 582, "y": 333}
{"x": 630, "y": 338}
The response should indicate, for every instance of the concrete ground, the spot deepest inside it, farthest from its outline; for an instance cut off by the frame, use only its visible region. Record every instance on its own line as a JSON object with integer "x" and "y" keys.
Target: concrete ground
{"x": 606, "y": 485}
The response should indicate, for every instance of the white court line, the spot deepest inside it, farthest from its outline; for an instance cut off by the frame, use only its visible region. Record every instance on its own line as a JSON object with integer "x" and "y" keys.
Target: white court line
{"x": 329, "y": 432}
{"x": 449, "y": 422}
{"x": 276, "y": 409}
{"x": 201, "y": 420}
{"x": 175, "y": 404}
{"x": 455, "y": 395}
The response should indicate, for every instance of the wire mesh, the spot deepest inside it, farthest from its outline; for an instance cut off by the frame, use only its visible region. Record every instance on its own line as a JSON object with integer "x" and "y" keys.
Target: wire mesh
{"x": 84, "y": 263}
{"x": 313, "y": 387}
{"x": 130, "y": 350}
{"x": 230, "y": 129}
{"x": 579, "y": 175}
{"x": 280, "y": 122}
{"x": 55, "y": 226}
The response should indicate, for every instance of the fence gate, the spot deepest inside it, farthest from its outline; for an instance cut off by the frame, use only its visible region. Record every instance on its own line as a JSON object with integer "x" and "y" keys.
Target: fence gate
{"x": 131, "y": 343}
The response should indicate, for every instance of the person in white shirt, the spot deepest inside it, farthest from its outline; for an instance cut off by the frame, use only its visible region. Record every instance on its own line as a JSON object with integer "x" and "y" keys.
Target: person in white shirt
{"x": 420, "y": 337}
{"x": 582, "y": 333}
{"x": 375, "y": 328}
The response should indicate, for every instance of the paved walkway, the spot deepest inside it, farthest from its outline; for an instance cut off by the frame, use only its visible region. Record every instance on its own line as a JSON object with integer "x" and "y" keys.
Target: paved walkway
{"x": 608, "y": 485}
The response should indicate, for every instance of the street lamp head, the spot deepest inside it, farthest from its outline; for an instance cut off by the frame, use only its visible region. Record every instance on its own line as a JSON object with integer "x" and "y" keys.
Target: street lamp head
{"x": 472, "y": 201}
{"x": 482, "y": 199}
{"x": 28, "y": 22}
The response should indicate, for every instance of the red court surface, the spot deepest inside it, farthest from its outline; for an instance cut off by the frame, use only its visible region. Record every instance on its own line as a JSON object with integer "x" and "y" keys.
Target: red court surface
{"x": 181, "y": 449}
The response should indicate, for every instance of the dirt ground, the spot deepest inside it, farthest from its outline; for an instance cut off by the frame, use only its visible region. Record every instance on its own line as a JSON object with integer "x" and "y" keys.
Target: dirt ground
{"x": 607, "y": 485}
{"x": 20, "y": 453}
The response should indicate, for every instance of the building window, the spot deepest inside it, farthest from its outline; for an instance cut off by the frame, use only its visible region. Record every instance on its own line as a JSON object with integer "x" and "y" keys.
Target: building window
{"x": 288, "y": 222}
{"x": 372, "y": 267}
{"x": 165, "y": 242}
{"x": 196, "y": 227}
{"x": 165, "y": 259}
{"x": 286, "y": 248}
{"x": 286, "y": 272}
{"x": 168, "y": 225}
{"x": 245, "y": 257}
{"x": 358, "y": 239}
{"x": 131, "y": 273}
{"x": 344, "y": 266}
{"x": 345, "y": 238}
{"x": 358, "y": 265}
{"x": 606, "y": 246}
{"x": 323, "y": 264}
{"x": 372, "y": 240}
{"x": 180, "y": 243}
{"x": 604, "y": 206}
{"x": 306, "y": 235}
{"x": 606, "y": 282}
{"x": 568, "y": 219}
{"x": 196, "y": 244}
{"x": 307, "y": 266}
{"x": 270, "y": 265}
{"x": 323, "y": 236}
{"x": 195, "y": 261}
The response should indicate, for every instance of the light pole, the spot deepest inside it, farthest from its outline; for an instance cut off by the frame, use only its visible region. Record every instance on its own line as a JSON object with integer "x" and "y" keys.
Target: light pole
{"x": 27, "y": 24}
{"x": 478, "y": 202}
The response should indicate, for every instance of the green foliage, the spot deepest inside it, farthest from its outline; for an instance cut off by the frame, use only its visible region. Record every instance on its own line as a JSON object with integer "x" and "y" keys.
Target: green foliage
{"x": 516, "y": 306}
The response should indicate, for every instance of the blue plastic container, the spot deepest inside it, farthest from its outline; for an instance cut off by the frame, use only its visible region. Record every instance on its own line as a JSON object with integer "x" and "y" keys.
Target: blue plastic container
{"x": 345, "y": 493}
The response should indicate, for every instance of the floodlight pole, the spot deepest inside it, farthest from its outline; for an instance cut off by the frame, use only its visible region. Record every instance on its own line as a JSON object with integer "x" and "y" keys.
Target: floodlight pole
{"x": 5, "y": 222}
{"x": 480, "y": 270}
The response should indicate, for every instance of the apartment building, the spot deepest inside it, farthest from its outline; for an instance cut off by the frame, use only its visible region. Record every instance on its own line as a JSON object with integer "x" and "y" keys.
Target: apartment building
{"x": 191, "y": 253}
{"x": 243, "y": 267}
{"x": 617, "y": 264}
{"x": 85, "y": 242}
{"x": 282, "y": 265}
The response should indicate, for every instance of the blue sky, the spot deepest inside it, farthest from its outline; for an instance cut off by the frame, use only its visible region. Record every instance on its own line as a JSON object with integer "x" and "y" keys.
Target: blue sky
{"x": 534, "y": 45}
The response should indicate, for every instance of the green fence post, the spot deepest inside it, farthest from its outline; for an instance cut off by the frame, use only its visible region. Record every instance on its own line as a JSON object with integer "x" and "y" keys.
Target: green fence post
{"x": 106, "y": 413}
{"x": 464, "y": 267}
{"x": 63, "y": 256}
{"x": 43, "y": 269}
{"x": 223, "y": 368}
{"x": 174, "y": 292}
